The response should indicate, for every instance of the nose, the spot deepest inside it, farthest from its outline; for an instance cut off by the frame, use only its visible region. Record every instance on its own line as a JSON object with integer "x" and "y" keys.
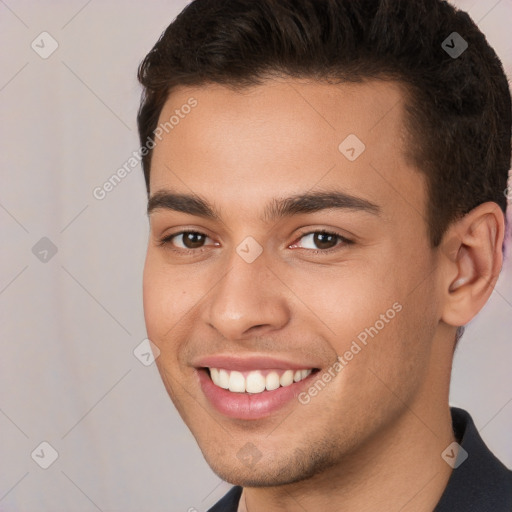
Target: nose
{"x": 248, "y": 301}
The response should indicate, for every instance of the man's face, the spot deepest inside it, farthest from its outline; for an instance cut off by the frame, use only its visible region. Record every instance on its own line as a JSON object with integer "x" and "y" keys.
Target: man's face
{"x": 265, "y": 295}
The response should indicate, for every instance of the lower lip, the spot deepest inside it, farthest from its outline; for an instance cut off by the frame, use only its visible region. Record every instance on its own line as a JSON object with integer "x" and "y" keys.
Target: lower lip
{"x": 249, "y": 406}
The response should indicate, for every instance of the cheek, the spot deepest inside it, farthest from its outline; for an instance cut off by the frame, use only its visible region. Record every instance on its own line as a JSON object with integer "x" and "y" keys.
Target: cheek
{"x": 153, "y": 295}
{"x": 346, "y": 300}
{"x": 371, "y": 319}
{"x": 159, "y": 297}
{"x": 171, "y": 295}
{"x": 396, "y": 347}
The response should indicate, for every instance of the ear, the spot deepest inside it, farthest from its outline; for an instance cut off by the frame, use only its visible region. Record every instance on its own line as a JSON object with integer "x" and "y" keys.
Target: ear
{"x": 471, "y": 258}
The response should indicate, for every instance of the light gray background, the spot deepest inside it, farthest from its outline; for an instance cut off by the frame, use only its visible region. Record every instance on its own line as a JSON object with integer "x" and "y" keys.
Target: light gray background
{"x": 68, "y": 327}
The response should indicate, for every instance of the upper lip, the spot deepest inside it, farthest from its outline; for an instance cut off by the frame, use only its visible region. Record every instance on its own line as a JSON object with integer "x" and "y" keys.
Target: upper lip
{"x": 248, "y": 363}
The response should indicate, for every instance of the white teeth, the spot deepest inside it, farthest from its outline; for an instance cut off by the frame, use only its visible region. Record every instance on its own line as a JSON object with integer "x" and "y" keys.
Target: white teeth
{"x": 255, "y": 381}
{"x": 223, "y": 381}
{"x": 287, "y": 378}
{"x": 272, "y": 381}
{"x": 215, "y": 374}
{"x": 236, "y": 382}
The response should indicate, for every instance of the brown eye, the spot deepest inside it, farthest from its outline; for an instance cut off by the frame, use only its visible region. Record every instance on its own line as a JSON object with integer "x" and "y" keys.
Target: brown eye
{"x": 325, "y": 240}
{"x": 186, "y": 240}
{"x": 322, "y": 240}
{"x": 192, "y": 240}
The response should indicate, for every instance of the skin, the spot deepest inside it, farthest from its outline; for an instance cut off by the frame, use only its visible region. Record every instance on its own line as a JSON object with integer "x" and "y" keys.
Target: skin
{"x": 373, "y": 438}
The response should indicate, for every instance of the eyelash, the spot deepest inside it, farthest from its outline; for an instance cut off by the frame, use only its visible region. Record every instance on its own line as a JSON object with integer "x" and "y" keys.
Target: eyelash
{"x": 166, "y": 242}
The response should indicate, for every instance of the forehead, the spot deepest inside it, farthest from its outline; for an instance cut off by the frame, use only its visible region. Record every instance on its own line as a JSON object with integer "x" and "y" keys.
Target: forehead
{"x": 288, "y": 136}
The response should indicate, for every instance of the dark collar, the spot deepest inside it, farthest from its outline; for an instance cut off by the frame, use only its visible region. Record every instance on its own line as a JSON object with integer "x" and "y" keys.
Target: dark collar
{"x": 480, "y": 484}
{"x": 229, "y": 503}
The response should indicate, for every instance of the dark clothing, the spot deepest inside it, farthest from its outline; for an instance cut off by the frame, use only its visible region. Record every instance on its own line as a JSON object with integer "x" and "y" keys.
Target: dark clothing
{"x": 480, "y": 484}
{"x": 229, "y": 503}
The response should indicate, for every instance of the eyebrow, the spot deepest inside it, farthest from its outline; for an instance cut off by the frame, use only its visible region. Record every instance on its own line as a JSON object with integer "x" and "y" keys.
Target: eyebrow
{"x": 309, "y": 202}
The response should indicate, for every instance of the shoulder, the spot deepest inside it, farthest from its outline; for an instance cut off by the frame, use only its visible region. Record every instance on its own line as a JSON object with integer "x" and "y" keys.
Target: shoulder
{"x": 479, "y": 481}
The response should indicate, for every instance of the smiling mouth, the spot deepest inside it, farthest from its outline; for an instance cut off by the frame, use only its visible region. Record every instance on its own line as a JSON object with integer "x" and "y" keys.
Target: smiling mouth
{"x": 256, "y": 381}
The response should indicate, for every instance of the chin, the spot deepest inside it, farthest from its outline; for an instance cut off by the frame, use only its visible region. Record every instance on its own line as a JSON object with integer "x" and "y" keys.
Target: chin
{"x": 295, "y": 467}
